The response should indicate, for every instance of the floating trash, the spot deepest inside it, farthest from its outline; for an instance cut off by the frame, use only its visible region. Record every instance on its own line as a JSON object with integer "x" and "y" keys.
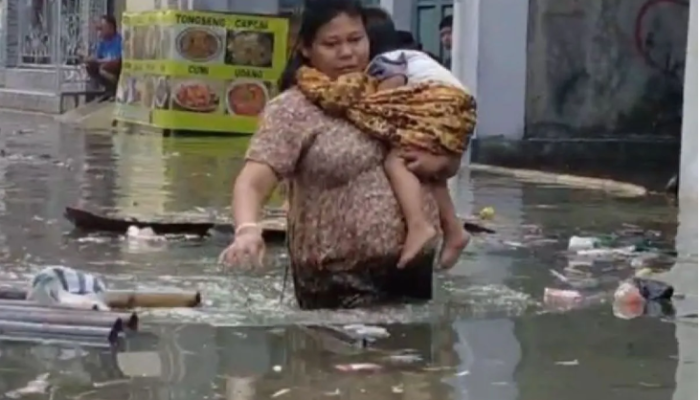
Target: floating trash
{"x": 366, "y": 331}
{"x": 358, "y": 367}
{"x": 571, "y": 363}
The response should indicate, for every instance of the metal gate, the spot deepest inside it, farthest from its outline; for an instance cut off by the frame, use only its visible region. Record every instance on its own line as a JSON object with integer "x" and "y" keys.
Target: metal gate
{"x": 55, "y": 34}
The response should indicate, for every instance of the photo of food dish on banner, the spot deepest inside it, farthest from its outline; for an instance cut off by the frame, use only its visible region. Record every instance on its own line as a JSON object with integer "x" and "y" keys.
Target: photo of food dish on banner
{"x": 195, "y": 95}
{"x": 138, "y": 48}
{"x": 127, "y": 42}
{"x": 201, "y": 71}
{"x": 200, "y": 44}
{"x": 122, "y": 94}
{"x": 152, "y": 42}
{"x": 250, "y": 48}
{"x": 246, "y": 97}
{"x": 166, "y": 43}
{"x": 162, "y": 93}
{"x": 126, "y": 90}
{"x": 147, "y": 88}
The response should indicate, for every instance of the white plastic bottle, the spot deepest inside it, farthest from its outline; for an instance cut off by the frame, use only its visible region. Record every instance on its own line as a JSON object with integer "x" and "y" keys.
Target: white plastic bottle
{"x": 577, "y": 243}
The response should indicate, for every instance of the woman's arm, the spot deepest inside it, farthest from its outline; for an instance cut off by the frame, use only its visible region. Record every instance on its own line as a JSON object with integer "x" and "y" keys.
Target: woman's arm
{"x": 273, "y": 154}
{"x": 253, "y": 186}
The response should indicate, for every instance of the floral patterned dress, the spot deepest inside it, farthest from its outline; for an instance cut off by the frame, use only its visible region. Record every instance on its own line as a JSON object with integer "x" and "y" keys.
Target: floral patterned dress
{"x": 346, "y": 229}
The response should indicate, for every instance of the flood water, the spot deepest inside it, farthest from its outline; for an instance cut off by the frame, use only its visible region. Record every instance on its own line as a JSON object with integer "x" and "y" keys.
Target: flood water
{"x": 486, "y": 335}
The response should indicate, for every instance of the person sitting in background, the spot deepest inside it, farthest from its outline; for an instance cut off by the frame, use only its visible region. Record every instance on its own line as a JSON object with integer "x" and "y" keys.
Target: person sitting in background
{"x": 105, "y": 66}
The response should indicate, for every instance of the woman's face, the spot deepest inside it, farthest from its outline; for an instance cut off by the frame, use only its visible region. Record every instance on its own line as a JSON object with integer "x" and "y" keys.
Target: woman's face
{"x": 340, "y": 47}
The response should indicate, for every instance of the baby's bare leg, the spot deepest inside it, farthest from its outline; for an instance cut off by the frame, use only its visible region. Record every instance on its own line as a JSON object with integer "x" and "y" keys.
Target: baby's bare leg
{"x": 407, "y": 189}
{"x": 455, "y": 237}
{"x": 284, "y": 192}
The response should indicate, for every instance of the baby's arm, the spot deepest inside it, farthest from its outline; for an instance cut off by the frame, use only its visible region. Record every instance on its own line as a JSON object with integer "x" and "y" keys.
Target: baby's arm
{"x": 392, "y": 82}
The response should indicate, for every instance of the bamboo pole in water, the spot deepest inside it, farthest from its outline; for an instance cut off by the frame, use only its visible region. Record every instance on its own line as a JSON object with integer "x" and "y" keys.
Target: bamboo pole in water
{"x": 11, "y": 312}
{"x": 109, "y": 334}
{"x": 128, "y": 299}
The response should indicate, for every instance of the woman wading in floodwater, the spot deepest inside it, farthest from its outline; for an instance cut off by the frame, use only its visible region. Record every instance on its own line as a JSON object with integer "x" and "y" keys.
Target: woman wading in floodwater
{"x": 346, "y": 230}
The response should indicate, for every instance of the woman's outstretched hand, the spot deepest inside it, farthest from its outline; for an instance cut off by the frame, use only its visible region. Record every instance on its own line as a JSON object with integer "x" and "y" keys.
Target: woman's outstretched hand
{"x": 248, "y": 247}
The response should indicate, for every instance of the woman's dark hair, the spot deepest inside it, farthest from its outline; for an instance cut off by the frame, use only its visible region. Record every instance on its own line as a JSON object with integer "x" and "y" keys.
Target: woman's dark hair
{"x": 408, "y": 41}
{"x": 375, "y": 15}
{"x": 316, "y": 14}
{"x": 383, "y": 37}
{"x": 446, "y": 22}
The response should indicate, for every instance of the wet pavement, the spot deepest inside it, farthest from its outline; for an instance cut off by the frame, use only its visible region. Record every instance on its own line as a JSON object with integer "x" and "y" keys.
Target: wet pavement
{"x": 485, "y": 336}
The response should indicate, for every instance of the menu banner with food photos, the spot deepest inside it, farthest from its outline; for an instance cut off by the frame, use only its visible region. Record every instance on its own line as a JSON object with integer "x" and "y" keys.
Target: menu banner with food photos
{"x": 200, "y": 71}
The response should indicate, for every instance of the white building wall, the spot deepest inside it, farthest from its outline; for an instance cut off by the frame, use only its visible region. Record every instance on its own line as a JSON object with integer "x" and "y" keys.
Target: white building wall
{"x": 489, "y": 54}
{"x": 689, "y": 135}
{"x": 402, "y": 11}
{"x": 684, "y": 275}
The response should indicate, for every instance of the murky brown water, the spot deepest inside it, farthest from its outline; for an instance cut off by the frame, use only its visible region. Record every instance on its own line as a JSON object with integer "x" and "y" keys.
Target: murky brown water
{"x": 485, "y": 336}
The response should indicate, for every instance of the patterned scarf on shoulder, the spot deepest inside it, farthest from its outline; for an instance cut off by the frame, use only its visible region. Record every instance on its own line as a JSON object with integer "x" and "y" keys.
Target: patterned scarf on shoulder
{"x": 430, "y": 116}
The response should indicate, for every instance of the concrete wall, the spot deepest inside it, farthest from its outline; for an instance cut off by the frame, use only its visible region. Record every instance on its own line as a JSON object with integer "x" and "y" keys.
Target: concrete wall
{"x": 10, "y": 33}
{"x": 605, "y": 66}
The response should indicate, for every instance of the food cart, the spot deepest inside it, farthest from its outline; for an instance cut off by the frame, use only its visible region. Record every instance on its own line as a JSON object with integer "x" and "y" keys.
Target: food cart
{"x": 199, "y": 71}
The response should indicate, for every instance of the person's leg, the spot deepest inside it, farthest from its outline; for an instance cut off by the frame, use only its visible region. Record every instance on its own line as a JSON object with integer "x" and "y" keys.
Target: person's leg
{"x": 284, "y": 192}
{"x": 108, "y": 76}
{"x": 407, "y": 189}
{"x": 93, "y": 72}
{"x": 455, "y": 237}
{"x": 109, "y": 81}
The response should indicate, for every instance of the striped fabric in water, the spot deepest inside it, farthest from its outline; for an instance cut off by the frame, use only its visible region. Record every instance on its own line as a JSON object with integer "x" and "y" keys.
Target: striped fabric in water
{"x": 72, "y": 281}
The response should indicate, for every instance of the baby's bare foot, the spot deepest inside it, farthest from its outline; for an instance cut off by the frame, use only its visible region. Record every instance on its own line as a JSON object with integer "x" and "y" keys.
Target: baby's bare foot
{"x": 417, "y": 239}
{"x": 452, "y": 245}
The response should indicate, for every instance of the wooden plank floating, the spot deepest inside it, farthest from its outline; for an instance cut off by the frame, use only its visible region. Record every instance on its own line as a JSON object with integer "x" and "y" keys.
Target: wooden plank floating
{"x": 274, "y": 225}
{"x": 274, "y": 229}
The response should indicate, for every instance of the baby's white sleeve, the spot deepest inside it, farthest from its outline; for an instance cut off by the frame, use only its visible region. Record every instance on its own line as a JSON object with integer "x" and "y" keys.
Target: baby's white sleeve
{"x": 385, "y": 66}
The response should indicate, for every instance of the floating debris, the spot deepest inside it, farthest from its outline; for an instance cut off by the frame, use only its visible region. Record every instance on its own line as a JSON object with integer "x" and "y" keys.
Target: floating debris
{"x": 487, "y": 213}
{"x": 366, "y": 331}
{"x": 358, "y": 367}
{"x": 570, "y": 363}
{"x": 281, "y": 392}
{"x": 39, "y": 385}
